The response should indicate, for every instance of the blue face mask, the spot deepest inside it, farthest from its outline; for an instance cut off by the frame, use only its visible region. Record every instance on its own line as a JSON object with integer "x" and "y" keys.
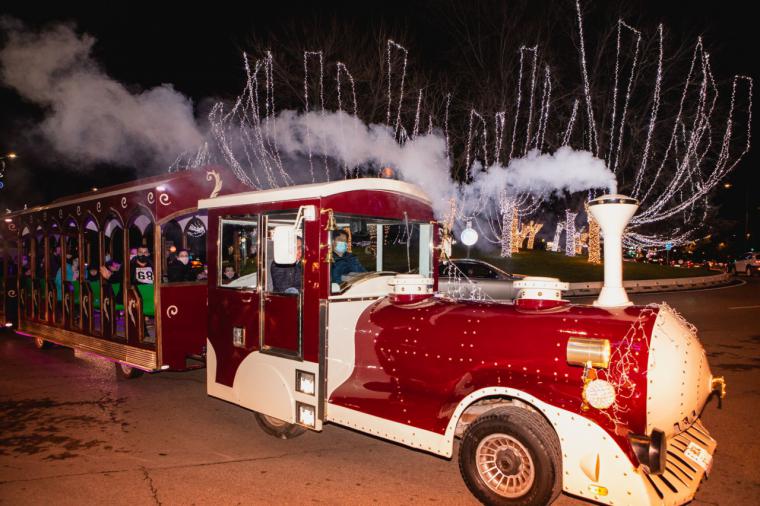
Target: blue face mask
{"x": 341, "y": 247}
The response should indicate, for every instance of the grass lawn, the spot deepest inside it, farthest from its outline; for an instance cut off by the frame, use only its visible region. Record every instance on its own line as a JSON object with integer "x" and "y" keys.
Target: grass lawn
{"x": 574, "y": 269}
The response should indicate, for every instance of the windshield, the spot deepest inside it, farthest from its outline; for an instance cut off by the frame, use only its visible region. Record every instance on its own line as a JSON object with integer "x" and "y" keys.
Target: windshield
{"x": 362, "y": 245}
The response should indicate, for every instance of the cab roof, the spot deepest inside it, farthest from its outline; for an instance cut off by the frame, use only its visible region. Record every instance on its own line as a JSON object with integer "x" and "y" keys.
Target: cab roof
{"x": 316, "y": 190}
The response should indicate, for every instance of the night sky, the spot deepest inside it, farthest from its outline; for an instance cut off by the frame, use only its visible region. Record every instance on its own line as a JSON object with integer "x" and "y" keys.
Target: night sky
{"x": 199, "y": 52}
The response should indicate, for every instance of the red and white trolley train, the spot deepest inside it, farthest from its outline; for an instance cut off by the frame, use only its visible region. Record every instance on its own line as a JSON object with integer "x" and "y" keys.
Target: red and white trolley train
{"x": 601, "y": 401}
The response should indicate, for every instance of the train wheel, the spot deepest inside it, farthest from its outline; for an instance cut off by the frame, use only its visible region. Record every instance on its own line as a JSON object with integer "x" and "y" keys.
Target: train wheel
{"x": 125, "y": 371}
{"x": 41, "y": 344}
{"x": 511, "y": 456}
{"x": 278, "y": 428}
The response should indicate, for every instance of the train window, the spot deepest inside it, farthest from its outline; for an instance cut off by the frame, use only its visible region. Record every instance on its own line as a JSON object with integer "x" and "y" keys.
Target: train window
{"x": 362, "y": 245}
{"x": 139, "y": 236}
{"x": 183, "y": 241}
{"x": 238, "y": 252}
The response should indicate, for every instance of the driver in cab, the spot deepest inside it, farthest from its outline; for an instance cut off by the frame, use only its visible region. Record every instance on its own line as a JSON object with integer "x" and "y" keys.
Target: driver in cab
{"x": 344, "y": 263}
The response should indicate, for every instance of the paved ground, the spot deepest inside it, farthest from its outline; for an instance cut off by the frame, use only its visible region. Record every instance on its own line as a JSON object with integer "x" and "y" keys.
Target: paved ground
{"x": 71, "y": 434}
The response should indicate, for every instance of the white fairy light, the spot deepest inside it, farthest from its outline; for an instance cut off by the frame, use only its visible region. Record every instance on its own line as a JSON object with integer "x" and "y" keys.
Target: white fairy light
{"x": 592, "y": 139}
{"x": 389, "y": 47}
{"x": 570, "y": 233}
{"x": 416, "y": 129}
{"x": 570, "y": 124}
{"x": 557, "y": 235}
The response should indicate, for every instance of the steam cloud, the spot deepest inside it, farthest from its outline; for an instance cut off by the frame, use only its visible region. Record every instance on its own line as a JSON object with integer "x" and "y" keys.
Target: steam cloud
{"x": 92, "y": 118}
{"x": 423, "y": 161}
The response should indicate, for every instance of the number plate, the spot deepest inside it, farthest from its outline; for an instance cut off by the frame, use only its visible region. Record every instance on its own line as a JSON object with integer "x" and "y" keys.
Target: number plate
{"x": 699, "y": 456}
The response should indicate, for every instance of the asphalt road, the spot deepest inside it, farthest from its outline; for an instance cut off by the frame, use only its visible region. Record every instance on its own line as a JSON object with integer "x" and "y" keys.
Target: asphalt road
{"x": 70, "y": 433}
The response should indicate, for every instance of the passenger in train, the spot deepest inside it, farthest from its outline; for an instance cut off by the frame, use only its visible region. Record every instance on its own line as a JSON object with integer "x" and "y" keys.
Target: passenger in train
{"x": 344, "y": 262}
{"x": 26, "y": 266}
{"x": 92, "y": 273}
{"x": 132, "y": 253}
{"x": 141, "y": 267}
{"x": 228, "y": 273}
{"x": 111, "y": 271}
{"x": 55, "y": 259}
{"x": 288, "y": 278}
{"x": 72, "y": 274}
{"x": 179, "y": 268}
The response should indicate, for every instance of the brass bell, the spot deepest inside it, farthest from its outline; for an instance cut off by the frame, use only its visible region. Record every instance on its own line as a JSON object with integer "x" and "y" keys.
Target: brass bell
{"x": 331, "y": 225}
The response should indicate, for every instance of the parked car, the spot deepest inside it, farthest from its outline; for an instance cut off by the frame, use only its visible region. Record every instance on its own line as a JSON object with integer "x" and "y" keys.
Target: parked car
{"x": 494, "y": 282}
{"x": 749, "y": 264}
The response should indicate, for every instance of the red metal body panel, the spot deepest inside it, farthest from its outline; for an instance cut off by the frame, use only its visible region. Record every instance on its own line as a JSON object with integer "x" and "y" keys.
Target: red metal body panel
{"x": 415, "y": 363}
{"x": 183, "y": 322}
{"x": 283, "y": 331}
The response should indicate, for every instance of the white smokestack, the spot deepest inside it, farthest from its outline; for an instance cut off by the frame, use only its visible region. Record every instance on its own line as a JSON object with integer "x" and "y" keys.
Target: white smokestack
{"x": 613, "y": 212}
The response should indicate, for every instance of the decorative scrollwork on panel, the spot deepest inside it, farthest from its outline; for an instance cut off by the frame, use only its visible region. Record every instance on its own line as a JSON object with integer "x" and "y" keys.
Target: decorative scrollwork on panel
{"x": 164, "y": 199}
{"x": 124, "y": 202}
{"x": 12, "y": 294}
{"x": 130, "y": 310}
{"x": 172, "y": 311}
{"x": 151, "y": 198}
{"x": 214, "y": 175}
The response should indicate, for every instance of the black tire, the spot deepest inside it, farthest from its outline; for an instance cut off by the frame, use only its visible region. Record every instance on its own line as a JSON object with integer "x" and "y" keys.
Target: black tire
{"x": 124, "y": 371}
{"x": 278, "y": 428}
{"x": 41, "y": 344}
{"x": 524, "y": 447}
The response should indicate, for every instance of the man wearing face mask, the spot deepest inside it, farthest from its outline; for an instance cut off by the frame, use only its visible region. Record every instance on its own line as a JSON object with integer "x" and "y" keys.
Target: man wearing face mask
{"x": 141, "y": 268}
{"x": 179, "y": 268}
{"x": 343, "y": 262}
{"x": 288, "y": 278}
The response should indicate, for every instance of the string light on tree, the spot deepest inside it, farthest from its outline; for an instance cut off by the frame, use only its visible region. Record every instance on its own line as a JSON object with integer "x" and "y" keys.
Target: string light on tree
{"x": 570, "y": 233}
{"x": 515, "y": 232}
{"x": 594, "y": 243}
{"x": 507, "y": 214}
{"x": 532, "y": 229}
{"x": 557, "y": 235}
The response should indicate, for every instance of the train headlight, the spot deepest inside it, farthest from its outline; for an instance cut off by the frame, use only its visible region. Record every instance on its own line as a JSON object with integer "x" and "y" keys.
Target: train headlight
{"x": 305, "y": 415}
{"x": 305, "y": 382}
{"x": 599, "y": 393}
{"x": 582, "y": 351}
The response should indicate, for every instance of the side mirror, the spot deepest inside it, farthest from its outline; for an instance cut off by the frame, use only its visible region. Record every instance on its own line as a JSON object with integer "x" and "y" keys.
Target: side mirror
{"x": 284, "y": 239}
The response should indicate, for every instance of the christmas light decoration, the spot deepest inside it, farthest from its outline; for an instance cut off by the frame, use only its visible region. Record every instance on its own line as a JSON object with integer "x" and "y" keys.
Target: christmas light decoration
{"x": 391, "y": 45}
{"x": 533, "y": 229}
{"x": 674, "y": 183}
{"x": 515, "y": 232}
{"x": 594, "y": 243}
{"x": 508, "y": 212}
{"x": 557, "y": 234}
{"x": 570, "y": 233}
{"x": 580, "y": 240}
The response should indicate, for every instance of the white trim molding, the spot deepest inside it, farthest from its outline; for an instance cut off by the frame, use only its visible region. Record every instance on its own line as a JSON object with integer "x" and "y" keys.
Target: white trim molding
{"x": 317, "y": 190}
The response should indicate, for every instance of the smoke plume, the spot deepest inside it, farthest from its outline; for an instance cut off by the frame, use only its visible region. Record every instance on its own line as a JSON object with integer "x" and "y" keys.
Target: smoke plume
{"x": 91, "y": 118}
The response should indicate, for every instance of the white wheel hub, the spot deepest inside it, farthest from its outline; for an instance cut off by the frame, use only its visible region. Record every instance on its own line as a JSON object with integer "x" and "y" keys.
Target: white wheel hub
{"x": 505, "y": 465}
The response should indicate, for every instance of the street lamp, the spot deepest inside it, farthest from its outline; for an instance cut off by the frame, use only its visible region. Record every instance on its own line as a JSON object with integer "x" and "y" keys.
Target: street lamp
{"x": 8, "y": 156}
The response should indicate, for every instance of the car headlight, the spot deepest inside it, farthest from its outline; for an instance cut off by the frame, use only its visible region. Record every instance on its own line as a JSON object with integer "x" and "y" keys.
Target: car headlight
{"x": 599, "y": 393}
{"x": 582, "y": 351}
